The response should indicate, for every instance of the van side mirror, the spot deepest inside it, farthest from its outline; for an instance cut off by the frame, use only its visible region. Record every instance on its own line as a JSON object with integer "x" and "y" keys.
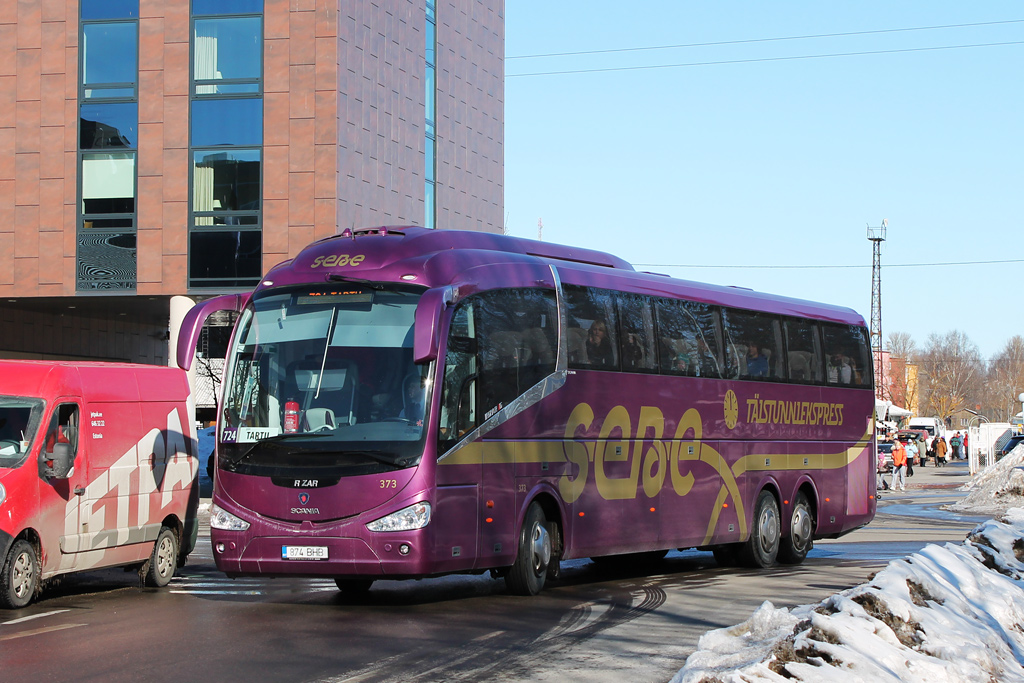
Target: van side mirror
{"x": 57, "y": 464}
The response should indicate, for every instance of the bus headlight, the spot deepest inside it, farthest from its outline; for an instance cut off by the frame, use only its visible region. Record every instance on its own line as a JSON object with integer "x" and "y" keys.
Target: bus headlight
{"x": 415, "y": 516}
{"x": 225, "y": 521}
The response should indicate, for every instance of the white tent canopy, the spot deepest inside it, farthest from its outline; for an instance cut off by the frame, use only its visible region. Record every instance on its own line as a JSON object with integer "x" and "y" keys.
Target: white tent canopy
{"x": 886, "y": 411}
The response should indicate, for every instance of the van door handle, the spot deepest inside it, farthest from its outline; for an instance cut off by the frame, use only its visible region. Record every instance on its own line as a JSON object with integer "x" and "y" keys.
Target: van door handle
{"x": 79, "y": 491}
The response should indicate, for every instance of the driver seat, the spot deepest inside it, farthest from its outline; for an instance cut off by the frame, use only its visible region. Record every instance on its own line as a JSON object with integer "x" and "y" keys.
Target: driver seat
{"x": 318, "y": 418}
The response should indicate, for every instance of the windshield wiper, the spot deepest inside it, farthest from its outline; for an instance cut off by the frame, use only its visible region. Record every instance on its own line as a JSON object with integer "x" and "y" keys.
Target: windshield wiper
{"x": 272, "y": 440}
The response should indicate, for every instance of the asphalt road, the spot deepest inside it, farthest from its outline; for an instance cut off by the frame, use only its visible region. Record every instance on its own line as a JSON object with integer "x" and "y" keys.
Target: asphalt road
{"x": 590, "y": 626}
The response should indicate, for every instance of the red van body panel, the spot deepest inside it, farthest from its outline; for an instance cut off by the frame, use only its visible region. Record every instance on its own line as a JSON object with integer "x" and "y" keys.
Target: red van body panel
{"x": 135, "y": 463}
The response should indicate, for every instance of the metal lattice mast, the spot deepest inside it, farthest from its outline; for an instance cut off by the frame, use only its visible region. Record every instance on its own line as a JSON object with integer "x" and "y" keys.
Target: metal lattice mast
{"x": 877, "y": 236}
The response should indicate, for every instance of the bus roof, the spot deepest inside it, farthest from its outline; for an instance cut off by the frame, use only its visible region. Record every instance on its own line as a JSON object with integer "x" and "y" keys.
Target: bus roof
{"x": 476, "y": 260}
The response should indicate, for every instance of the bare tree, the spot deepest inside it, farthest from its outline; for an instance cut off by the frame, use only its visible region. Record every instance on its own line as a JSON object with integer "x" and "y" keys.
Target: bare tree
{"x": 952, "y": 371}
{"x": 901, "y": 390}
{"x": 1005, "y": 381}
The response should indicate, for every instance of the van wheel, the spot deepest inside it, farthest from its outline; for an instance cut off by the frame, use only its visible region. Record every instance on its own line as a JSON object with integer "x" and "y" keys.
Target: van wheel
{"x": 163, "y": 561}
{"x": 528, "y": 573}
{"x": 20, "y": 579}
{"x": 794, "y": 548}
{"x": 762, "y": 548}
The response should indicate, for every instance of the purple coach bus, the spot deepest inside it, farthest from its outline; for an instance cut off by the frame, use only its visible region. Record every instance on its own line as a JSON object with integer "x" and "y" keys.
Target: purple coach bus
{"x": 403, "y": 402}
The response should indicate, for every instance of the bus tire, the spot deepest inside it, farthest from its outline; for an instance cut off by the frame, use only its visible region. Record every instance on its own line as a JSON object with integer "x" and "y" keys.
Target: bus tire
{"x": 20, "y": 579}
{"x": 794, "y": 547}
{"x": 762, "y": 548}
{"x": 161, "y": 565}
{"x": 528, "y": 573}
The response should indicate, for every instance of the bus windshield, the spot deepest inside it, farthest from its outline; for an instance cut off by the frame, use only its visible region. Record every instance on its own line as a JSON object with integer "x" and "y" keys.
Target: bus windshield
{"x": 321, "y": 381}
{"x": 19, "y": 420}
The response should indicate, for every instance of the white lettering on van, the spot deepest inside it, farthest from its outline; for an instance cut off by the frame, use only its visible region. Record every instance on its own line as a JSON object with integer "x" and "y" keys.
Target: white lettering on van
{"x": 98, "y": 423}
{"x": 97, "y": 435}
{"x": 161, "y": 462}
{"x": 95, "y": 414}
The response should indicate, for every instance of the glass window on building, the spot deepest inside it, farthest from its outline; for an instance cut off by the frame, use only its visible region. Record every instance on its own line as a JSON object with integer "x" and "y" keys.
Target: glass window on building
{"x": 110, "y": 59}
{"x": 227, "y": 55}
{"x": 108, "y": 112}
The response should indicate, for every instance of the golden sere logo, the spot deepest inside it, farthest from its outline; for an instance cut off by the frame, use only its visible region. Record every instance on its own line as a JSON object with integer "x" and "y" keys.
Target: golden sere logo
{"x": 337, "y": 260}
{"x": 653, "y": 457}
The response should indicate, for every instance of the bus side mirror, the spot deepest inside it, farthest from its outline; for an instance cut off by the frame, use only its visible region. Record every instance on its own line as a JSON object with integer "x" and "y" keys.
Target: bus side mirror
{"x": 427, "y": 330}
{"x": 192, "y": 324}
{"x": 57, "y": 464}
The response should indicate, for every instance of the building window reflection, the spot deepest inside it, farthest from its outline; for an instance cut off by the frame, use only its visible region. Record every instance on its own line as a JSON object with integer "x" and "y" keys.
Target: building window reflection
{"x": 108, "y": 112}
{"x": 226, "y": 138}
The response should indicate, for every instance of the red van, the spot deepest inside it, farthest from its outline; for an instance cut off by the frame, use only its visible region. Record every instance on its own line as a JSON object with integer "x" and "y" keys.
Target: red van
{"x": 97, "y": 469}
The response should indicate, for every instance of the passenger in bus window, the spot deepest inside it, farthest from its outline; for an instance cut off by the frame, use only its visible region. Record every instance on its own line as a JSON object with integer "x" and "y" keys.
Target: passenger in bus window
{"x": 706, "y": 365}
{"x": 834, "y": 363}
{"x": 757, "y": 362}
{"x": 845, "y": 370}
{"x": 599, "y": 346}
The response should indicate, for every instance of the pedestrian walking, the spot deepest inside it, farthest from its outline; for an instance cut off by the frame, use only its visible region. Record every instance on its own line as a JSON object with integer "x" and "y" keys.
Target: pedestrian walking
{"x": 955, "y": 444}
{"x": 899, "y": 467}
{"x": 940, "y": 452}
{"x": 911, "y": 456}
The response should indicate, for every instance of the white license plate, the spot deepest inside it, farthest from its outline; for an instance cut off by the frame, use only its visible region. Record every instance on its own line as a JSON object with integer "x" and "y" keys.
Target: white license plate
{"x": 303, "y": 552}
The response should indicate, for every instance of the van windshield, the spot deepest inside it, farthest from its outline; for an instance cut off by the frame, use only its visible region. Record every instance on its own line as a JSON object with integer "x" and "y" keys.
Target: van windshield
{"x": 19, "y": 422}
{"x": 322, "y": 378}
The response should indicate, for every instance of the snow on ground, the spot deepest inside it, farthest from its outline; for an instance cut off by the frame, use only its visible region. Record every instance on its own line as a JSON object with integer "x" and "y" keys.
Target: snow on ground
{"x": 997, "y": 488}
{"x": 948, "y": 613}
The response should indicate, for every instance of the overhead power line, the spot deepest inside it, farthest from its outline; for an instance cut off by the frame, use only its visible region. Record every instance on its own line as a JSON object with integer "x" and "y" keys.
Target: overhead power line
{"x": 764, "y": 59}
{"x": 763, "y": 40}
{"x": 809, "y": 267}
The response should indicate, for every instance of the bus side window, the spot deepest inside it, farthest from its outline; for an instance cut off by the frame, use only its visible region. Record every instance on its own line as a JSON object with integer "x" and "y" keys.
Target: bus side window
{"x": 846, "y": 355}
{"x": 754, "y": 345}
{"x": 593, "y": 311}
{"x": 803, "y": 350}
{"x": 636, "y": 343}
{"x": 458, "y": 400}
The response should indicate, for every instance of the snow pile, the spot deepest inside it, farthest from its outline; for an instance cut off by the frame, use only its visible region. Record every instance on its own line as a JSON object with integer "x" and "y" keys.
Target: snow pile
{"x": 948, "y": 613}
{"x": 997, "y": 488}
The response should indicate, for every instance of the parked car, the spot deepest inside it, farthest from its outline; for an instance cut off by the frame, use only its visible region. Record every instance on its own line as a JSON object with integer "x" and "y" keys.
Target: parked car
{"x": 920, "y": 436}
{"x": 1010, "y": 444}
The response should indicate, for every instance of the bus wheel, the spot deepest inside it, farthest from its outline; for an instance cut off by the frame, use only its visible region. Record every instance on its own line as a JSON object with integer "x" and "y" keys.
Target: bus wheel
{"x": 794, "y": 548}
{"x": 527, "y": 574}
{"x": 163, "y": 561}
{"x": 353, "y": 586}
{"x": 20, "y": 578}
{"x": 762, "y": 548}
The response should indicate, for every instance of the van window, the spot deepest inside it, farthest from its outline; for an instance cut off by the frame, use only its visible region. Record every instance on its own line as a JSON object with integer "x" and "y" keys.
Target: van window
{"x": 19, "y": 422}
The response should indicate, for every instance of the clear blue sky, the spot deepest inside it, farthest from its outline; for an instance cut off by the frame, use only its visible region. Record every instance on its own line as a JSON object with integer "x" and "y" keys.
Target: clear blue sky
{"x": 774, "y": 161}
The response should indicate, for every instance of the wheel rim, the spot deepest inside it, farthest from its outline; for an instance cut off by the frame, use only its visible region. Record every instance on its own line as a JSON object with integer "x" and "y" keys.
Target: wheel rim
{"x": 540, "y": 549}
{"x": 768, "y": 529}
{"x": 165, "y": 557}
{"x": 801, "y": 527}
{"x": 24, "y": 575}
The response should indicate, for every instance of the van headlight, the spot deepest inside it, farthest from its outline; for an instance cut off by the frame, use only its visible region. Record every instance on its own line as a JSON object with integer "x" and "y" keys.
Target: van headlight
{"x": 225, "y": 521}
{"x": 3, "y": 493}
{"x": 415, "y": 516}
